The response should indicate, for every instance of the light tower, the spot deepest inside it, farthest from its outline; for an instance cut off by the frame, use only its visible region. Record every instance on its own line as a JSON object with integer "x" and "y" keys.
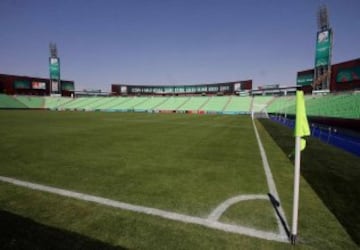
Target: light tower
{"x": 324, "y": 38}
{"x": 54, "y": 69}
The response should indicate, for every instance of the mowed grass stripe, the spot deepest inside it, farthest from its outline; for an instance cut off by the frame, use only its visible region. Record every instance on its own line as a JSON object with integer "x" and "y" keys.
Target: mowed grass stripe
{"x": 181, "y": 163}
{"x": 112, "y": 226}
{"x": 318, "y": 228}
{"x": 214, "y": 224}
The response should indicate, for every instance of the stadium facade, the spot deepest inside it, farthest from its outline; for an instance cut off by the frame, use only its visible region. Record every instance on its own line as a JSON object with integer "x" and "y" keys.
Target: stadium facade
{"x": 30, "y": 85}
{"x": 224, "y": 88}
{"x": 345, "y": 76}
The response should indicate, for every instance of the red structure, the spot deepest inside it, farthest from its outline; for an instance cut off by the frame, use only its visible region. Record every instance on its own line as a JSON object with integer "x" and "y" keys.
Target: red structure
{"x": 345, "y": 76}
{"x": 28, "y": 85}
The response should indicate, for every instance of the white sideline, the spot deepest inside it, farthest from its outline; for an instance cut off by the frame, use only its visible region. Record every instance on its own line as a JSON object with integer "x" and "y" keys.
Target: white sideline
{"x": 210, "y": 223}
{"x": 270, "y": 182}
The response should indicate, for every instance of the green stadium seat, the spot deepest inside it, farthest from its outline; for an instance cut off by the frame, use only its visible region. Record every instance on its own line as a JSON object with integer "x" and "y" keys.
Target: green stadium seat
{"x": 238, "y": 104}
{"x": 173, "y": 103}
{"x": 216, "y": 104}
{"x": 344, "y": 105}
{"x": 194, "y": 103}
{"x": 260, "y": 102}
{"x": 33, "y": 102}
{"x": 150, "y": 103}
{"x": 53, "y": 103}
{"x": 10, "y": 102}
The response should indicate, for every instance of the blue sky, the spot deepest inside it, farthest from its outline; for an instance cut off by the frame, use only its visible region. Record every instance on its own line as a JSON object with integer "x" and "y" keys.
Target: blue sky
{"x": 171, "y": 42}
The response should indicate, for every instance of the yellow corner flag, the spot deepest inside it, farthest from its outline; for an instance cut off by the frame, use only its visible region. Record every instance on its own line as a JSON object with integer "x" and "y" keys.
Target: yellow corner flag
{"x": 301, "y": 124}
{"x": 301, "y": 129}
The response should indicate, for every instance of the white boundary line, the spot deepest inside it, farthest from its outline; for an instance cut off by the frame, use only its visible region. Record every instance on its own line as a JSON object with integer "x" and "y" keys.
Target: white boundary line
{"x": 270, "y": 182}
{"x": 217, "y": 212}
{"x": 210, "y": 223}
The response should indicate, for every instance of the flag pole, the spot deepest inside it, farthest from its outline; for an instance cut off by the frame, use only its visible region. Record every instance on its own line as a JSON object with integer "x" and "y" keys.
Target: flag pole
{"x": 301, "y": 129}
{"x": 296, "y": 190}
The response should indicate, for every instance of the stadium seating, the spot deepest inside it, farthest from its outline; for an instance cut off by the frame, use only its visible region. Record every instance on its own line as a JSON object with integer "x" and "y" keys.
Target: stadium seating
{"x": 173, "y": 103}
{"x": 194, "y": 103}
{"x": 33, "y": 102}
{"x": 150, "y": 103}
{"x": 282, "y": 105}
{"x": 7, "y": 101}
{"x": 96, "y": 102}
{"x": 343, "y": 105}
{"x": 260, "y": 102}
{"x": 216, "y": 103}
{"x": 53, "y": 103}
{"x": 91, "y": 103}
{"x": 110, "y": 103}
{"x": 74, "y": 104}
{"x": 238, "y": 104}
{"x": 129, "y": 103}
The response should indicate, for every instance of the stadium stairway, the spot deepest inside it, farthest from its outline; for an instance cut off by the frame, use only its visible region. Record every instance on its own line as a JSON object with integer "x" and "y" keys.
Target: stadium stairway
{"x": 111, "y": 103}
{"x": 96, "y": 103}
{"x": 150, "y": 103}
{"x": 52, "y": 103}
{"x": 129, "y": 104}
{"x": 182, "y": 104}
{"x": 194, "y": 104}
{"x": 172, "y": 103}
{"x": 32, "y": 102}
{"x": 74, "y": 104}
{"x": 260, "y": 102}
{"x": 238, "y": 105}
{"x": 204, "y": 104}
{"x": 10, "y": 102}
{"x": 215, "y": 104}
{"x": 227, "y": 103}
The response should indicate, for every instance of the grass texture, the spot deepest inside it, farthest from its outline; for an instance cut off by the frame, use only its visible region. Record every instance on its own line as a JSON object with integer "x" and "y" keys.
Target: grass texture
{"x": 180, "y": 163}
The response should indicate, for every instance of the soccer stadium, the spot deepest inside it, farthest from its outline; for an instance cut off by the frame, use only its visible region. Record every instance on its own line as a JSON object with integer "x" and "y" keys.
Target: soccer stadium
{"x": 193, "y": 166}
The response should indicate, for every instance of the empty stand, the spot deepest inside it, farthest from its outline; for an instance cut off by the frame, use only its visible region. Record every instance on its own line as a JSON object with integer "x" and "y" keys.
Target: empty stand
{"x": 173, "y": 103}
{"x": 32, "y": 102}
{"x": 344, "y": 105}
{"x": 238, "y": 104}
{"x": 53, "y": 103}
{"x": 194, "y": 103}
{"x": 10, "y": 102}
{"x": 260, "y": 102}
{"x": 150, "y": 103}
{"x": 216, "y": 104}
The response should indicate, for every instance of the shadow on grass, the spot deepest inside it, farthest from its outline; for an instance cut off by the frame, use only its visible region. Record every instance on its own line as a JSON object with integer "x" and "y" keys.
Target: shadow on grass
{"x": 275, "y": 203}
{"x": 332, "y": 173}
{"x": 17, "y": 232}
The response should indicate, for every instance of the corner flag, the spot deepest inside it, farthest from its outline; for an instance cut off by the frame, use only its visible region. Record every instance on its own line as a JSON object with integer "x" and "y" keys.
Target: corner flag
{"x": 301, "y": 129}
{"x": 301, "y": 124}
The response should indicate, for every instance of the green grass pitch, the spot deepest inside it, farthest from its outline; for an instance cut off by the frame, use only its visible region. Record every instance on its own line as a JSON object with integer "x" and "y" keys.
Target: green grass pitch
{"x": 187, "y": 164}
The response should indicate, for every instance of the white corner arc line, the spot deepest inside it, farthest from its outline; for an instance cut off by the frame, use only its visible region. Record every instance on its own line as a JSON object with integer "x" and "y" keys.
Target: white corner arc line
{"x": 219, "y": 210}
{"x": 270, "y": 181}
{"x": 151, "y": 211}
